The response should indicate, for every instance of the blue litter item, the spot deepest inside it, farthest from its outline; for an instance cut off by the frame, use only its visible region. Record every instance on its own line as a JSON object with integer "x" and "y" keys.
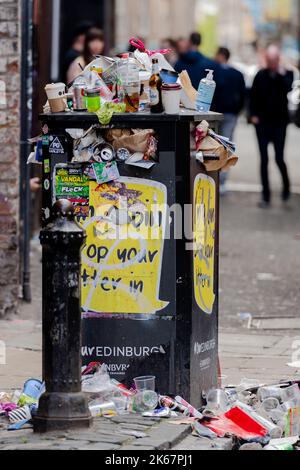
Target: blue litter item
{"x": 34, "y": 388}
{"x": 18, "y": 425}
{"x": 168, "y": 76}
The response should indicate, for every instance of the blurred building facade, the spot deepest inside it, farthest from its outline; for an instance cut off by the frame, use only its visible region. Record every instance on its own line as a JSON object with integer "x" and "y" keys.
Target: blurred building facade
{"x": 9, "y": 158}
{"x": 153, "y": 20}
{"x": 240, "y": 24}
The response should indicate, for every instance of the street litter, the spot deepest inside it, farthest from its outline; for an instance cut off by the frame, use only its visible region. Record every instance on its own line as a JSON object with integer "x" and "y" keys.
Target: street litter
{"x": 257, "y": 416}
{"x": 238, "y": 423}
{"x": 20, "y": 406}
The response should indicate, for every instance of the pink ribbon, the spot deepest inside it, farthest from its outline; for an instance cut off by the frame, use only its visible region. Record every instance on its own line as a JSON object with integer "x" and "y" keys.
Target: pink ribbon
{"x": 138, "y": 44}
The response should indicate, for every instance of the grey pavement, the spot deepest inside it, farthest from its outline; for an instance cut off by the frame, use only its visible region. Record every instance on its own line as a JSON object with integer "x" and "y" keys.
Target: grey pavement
{"x": 105, "y": 434}
{"x": 245, "y": 174}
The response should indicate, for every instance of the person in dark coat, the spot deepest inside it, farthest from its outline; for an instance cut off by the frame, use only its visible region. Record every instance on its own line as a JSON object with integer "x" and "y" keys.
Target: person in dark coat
{"x": 229, "y": 99}
{"x": 194, "y": 62}
{"x": 269, "y": 113}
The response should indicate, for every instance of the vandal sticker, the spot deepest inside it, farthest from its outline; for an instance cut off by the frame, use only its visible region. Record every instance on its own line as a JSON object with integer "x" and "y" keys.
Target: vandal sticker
{"x": 72, "y": 184}
{"x": 122, "y": 260}
{"x": 204, "y": 223}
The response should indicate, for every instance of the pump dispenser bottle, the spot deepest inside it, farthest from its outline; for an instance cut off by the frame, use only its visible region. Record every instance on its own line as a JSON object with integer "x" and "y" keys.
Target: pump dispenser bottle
{"x": 206, "y": 91}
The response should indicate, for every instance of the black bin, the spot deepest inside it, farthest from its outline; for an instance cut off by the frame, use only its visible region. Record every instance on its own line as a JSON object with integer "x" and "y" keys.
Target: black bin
{"x": 150, "y": 307}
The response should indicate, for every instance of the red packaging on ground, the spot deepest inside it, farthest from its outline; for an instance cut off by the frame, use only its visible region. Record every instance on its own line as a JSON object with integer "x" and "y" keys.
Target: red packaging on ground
{"x": 236, "y": 422}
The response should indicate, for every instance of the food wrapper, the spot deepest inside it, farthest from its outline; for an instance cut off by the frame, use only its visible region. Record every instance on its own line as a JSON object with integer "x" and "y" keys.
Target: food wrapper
{"x": 135, "y": 141}
{"x": 189, "y": 94}
{"x": 106, "y": 172}
{"x": 209, "y": 146}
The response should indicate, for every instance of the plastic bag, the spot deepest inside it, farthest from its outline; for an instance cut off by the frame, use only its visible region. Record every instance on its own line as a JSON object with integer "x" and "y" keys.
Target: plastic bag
{"x": 99, "y": 383}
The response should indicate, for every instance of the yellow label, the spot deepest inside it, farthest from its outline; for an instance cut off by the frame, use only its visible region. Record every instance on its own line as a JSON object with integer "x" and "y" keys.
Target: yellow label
{"x": 122, "y": 260}
{"x": 204, "y": 226}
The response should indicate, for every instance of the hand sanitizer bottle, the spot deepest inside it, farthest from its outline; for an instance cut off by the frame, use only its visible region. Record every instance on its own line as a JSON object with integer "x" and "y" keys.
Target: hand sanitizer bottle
{"x": 206, "y": 92}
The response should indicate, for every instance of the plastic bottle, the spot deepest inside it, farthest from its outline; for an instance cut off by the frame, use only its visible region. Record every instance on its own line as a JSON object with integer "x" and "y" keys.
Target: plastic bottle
{"x": 129, "y": 83}
{"x": 206, "y": 92}
{"x": 155, "y": 83}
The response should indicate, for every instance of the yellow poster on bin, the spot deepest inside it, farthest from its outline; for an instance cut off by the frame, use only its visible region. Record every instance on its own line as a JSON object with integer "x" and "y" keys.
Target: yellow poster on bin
{"x": 204, "y": 227}
{"x": 122, "y": 260}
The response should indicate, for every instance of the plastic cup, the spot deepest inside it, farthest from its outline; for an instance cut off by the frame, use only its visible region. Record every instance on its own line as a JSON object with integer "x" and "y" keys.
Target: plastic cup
{"x": 290, "y": 405}
{"x": 56, "y": 94}
{"x": 171, "y": 95}
{"x": 269, "y": 392}
{"x": 291, "y": 393}
{"x": 217, "y": 401}
{"x": 146, "y": 400}
{"x": 270, "y": 404}
{"x": 146, "y": 382}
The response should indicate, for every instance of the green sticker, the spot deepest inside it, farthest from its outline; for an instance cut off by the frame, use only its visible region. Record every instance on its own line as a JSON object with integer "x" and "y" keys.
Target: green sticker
{"x": 72, "y": 184}
{"x": 47, "y": 166}
{"x": 45, "y": 139}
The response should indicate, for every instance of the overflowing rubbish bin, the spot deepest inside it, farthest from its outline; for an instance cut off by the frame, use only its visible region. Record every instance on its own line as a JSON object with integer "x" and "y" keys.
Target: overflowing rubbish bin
{"x": 149, "y": 279}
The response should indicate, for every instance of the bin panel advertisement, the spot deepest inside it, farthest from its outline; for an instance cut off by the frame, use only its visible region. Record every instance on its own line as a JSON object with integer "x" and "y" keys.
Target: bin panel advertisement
{"x": 204, "y": 221}
{"x": 131, "y": 348}
{"x": 122, "y": 260}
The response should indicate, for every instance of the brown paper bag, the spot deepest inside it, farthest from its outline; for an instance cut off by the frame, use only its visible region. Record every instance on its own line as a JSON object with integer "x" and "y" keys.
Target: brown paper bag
{"x": 210, "y": 146}
{"x": 134, "y": 141}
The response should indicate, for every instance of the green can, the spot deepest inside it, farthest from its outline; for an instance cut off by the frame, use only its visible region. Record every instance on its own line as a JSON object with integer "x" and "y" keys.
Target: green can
{"x": 93, "y": 100}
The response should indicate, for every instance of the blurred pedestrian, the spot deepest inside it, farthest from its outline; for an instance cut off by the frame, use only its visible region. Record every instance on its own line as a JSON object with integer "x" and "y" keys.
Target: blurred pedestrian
{"x": 229, "y": 99}
{"x": 93, "y": 45}
{"x": 77, "y": 45}
{"x": 170, "y": 43}
{"x": 192, "y": 60}
{"x": 269, "y": 113}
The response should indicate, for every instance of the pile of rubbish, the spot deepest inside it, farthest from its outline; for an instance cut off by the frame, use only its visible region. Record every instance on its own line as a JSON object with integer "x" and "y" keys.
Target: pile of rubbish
{"x": 108, "y": 397}
{"x": 131, "y": 82}
{"x": 139, "y": 82}
{"x": 256, "y": 417}
{"x": 19, "y": 407}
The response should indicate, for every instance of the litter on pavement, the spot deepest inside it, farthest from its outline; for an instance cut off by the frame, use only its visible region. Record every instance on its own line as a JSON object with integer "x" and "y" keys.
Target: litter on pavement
{"x": 256, "y": 416}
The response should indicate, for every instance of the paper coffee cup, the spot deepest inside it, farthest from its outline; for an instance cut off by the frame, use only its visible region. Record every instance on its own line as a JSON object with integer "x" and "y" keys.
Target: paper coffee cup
{"x": 56, "y": 94}
{"x": 171, "y": 94}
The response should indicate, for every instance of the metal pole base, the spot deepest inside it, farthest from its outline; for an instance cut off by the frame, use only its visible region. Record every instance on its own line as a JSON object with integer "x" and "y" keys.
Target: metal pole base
{"x": 62, "y": 411}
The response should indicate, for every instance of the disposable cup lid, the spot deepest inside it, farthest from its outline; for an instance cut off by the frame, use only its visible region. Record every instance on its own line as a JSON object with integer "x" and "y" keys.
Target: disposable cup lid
{"x": 55, "y": 86}
{"x": 171, "y": 87}
{"x": 93, "y": 91}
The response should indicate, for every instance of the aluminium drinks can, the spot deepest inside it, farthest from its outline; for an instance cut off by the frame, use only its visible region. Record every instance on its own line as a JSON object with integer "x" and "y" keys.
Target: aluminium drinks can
{"x": 79, "y": 103}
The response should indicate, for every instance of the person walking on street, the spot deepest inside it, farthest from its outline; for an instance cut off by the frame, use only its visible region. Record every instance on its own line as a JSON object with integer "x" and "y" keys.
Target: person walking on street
{"x": 269, "y": 113}
{"x": 193, "y": 61}
{"x": 229, "y": 99}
